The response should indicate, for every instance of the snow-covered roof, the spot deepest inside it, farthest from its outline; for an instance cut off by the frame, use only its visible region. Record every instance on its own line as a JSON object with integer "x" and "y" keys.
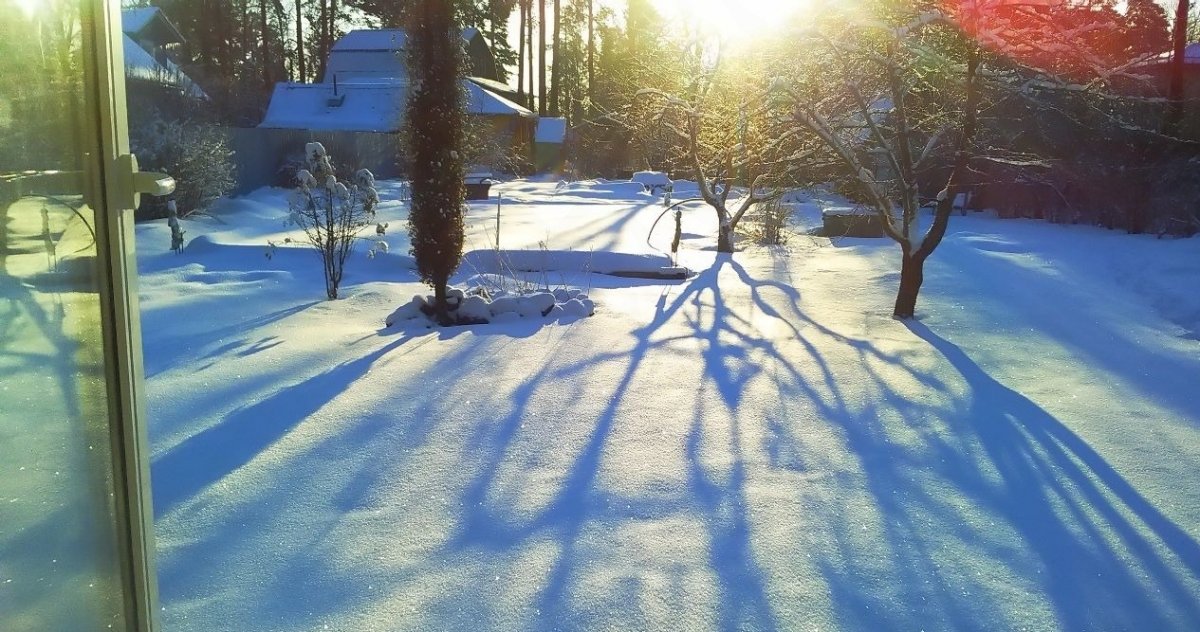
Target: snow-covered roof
{"x": 551, "y": 130}
{"x": 140, "y": 64}
{"x": 363, "y": 107}
{"x": 134, "y": 20}
{"x": 493, "y": 85}
{"x": 483, "y": 101}
{"x": 137, "y": 21}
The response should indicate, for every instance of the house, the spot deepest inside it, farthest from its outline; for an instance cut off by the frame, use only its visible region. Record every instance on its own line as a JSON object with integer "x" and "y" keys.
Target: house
{"x": 1153, "y": 79}
{"x": 358, "y": 107}
{"x": 1158, "y": 69}
{"x": 150, "y": 46}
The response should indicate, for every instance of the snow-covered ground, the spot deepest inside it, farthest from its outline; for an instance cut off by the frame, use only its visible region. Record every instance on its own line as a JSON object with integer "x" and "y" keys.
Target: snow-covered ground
{"x": 759, "y": 447}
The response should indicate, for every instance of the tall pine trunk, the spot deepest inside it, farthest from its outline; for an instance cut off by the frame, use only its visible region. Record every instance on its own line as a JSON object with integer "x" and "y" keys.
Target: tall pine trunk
{"x": 1175, "y": 90}
{"x": 555, "y": 72}
{"x": 529, "y": 47}
{"x": 524, "y": 14}
{"x": 303, "y": 71}
{"x": 332, "y": 34}
{"x": 322, "y": 51}
{"x": 591, "y": 60}
{"x": 265, "y": 34}
{"x": 541, "y": 106}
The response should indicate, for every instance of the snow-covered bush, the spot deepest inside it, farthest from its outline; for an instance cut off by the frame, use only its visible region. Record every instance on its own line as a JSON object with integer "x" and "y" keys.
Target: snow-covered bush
{"x": 330, "y": 213}
{"x": 769, "y": 222}
{"x": 197, "y": 154}
{"x": 343, "y": 157}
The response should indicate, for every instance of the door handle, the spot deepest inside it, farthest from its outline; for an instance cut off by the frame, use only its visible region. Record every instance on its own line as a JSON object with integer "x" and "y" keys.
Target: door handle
{"x": 136, "y": 182}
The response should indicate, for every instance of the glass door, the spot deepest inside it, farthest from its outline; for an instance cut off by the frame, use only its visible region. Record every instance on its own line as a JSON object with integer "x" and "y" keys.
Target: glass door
{"x": 74, "y": 514}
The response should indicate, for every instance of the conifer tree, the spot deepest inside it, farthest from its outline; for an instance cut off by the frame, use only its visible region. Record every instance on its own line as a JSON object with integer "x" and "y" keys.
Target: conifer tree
{"x": 436, "y": 113}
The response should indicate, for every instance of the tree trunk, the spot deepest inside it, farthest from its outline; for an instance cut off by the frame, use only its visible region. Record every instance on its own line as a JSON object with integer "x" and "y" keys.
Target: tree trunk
{"x": 1175, "y": 91}
{"x": 303, "y": 75}
{"x": 555, "y": 73}
{"x": 524, "y": 13}
{"x": 724, "y": 232}
{"x": 441, "y": 312}
{"x": 725, "y": 240}
{"x": 322, "y": 51}
{"x": 541, "y": 106}
{"x": 264, "y": 33}
{"x": 591, "y": 60}
{"x": 332, "y": 35}
{"x": 529, "y": 47}
{"x": 912, "y": 265}
{"x": 912, "y": 274}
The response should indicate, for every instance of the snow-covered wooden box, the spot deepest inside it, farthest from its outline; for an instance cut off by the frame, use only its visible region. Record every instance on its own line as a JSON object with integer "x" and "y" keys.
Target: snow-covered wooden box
{"x": 656, "y": 182}
{"x": 851, "y": 221}
{"x": 478, "y": 185}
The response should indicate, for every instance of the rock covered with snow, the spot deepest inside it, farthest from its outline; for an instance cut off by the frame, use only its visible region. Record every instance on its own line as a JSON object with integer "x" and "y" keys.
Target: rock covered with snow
{"x": 580, "y": 308}
{"x": 474, "y": 308}
{"x": 407, "y": 312}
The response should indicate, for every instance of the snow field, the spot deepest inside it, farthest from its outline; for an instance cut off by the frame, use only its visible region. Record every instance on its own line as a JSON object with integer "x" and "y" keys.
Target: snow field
{"x": 758, "y": 447}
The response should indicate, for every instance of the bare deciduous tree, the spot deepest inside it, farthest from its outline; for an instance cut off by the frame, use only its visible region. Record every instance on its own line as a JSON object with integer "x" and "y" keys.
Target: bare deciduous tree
{"x": 712, "y": 137}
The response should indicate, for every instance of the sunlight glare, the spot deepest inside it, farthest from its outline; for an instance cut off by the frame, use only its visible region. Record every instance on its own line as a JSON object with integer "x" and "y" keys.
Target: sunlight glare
{"x": 29, "y": 7}
{"x": 733, "y": 18}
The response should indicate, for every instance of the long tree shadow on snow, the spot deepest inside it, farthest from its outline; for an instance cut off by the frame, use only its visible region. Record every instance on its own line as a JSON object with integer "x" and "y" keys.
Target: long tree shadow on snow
{"x": 720, "y": 502}
{"x": 1012, "y": 486}
{"x": 223, "y": 447}
{"x": 298, "y": 586}
{"x": 1090, "y": 585}
{"x": 1043, "y": 466}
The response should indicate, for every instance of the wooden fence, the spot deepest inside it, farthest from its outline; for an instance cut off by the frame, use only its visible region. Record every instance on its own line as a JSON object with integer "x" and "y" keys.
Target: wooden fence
{"x": 263, "y": 155}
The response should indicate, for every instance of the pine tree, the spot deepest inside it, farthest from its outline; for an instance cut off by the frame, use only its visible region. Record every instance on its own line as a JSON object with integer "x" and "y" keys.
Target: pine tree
{"x": 436, "y": 119}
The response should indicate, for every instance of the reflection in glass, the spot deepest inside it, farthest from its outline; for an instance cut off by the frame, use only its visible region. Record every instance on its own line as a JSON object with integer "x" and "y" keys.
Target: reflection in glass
{"x": 58, "y": 553}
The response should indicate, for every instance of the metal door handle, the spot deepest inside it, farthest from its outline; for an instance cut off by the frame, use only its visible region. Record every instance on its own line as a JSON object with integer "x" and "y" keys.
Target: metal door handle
{"x": 138, "y": 182}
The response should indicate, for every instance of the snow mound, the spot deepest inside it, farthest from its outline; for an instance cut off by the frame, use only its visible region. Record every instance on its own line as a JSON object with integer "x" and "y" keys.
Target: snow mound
{"x": 603, "y": 189}
{"x": 473, "y": 306}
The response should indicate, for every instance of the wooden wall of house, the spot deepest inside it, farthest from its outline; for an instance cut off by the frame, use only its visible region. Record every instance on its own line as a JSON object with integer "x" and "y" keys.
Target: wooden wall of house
{"x": 511, "y": 140}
